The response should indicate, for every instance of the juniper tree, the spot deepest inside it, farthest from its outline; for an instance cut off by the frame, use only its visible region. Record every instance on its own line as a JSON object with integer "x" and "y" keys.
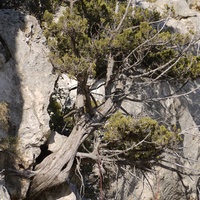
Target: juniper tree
{"x": 115, "y": 41}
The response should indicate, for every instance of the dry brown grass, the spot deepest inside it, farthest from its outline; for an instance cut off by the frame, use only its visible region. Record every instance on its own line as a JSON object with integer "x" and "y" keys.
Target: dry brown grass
{"x": 4, "y": 116}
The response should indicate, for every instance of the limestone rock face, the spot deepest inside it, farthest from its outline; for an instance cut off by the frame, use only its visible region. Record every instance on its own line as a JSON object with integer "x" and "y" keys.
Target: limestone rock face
{"x": 181, "y": 7}
{"x": 194, "y": 4}
{"x": 177, "y": 176}
{"x": 26, "y": 83}
{"x": 182, "y": 15}
{"x": 170, "y": 180}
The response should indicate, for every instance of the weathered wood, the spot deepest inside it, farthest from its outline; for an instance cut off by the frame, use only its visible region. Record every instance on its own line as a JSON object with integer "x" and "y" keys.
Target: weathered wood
{"x": 109, "y": 74}
{"x": 55, "y": 168}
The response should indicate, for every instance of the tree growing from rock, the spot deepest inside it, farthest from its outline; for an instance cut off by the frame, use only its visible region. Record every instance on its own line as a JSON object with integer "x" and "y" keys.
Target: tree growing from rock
{"x": 124, "y": 45}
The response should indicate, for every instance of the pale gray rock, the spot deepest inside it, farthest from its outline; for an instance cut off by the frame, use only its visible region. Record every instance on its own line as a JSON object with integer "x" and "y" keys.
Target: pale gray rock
{"x": 4, "y": 195}
{"x": 98, "y": 89}
{"x": 169, "y": 181}
{"x": 181, "y": 7}
{"x": 166, "y": 182}
{"x": 64, "y": 192}
{"x": 26, "y": 82}
{"x": 182, "y": 109}
{"x": 66, "y": 88}
{"x": 178, "y": 110}
{"x": 55, "y": 141}
{"x": 194, "y": 4}
{"x": 182, "y": 15}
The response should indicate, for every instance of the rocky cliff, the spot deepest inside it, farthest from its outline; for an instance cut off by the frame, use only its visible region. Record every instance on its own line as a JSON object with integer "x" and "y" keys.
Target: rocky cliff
{"x": 26, "y": 83}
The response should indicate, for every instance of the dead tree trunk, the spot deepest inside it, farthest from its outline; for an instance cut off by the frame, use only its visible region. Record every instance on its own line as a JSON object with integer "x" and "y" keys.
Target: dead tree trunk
{"x": 109, "y": 74}
{"x": 55, "y": 168}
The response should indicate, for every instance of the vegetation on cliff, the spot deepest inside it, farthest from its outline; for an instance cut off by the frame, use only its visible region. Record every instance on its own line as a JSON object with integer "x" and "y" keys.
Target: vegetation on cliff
{"x": 123, "y": 44}
{"x": 4, "y": 116}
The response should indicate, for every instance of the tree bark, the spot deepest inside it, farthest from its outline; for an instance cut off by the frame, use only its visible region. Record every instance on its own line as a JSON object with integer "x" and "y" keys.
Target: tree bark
{"x": 55, "y": 168}
{"x": 83, "y": 100}
{"x": 109, "y": 74}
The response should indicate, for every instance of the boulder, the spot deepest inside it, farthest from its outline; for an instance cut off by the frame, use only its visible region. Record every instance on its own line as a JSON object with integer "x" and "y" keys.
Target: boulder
{"x": 26, "y": 82}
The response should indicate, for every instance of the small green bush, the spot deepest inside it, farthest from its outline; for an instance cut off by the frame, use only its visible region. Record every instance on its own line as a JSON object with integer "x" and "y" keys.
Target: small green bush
{"x": 58, "y": 121}
{"x": 138, "y": 139}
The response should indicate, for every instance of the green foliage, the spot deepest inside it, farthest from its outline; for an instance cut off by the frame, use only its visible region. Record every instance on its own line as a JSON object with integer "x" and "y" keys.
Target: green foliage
{"x": 151, "y": 1}
{"x": 34, "y": 7}
{"x": 69, "y": 44}
{"x": 145, "y": 15}
{"x": 169, "y": 10}
{"x": 189, "y": 66}
{"x": 58, "y": 121}
{"x": 86, "y": 34}
{"x": 4, "y": 116}
{"x": 139, "y": 139}
{"x": 9, "y": 144}
{"x": 48, "y": 17}
{"x": 81, "y": 40}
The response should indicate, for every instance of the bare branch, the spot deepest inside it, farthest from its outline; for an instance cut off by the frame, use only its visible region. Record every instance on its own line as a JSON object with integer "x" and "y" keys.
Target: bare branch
{"x": 124, "y": 16}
